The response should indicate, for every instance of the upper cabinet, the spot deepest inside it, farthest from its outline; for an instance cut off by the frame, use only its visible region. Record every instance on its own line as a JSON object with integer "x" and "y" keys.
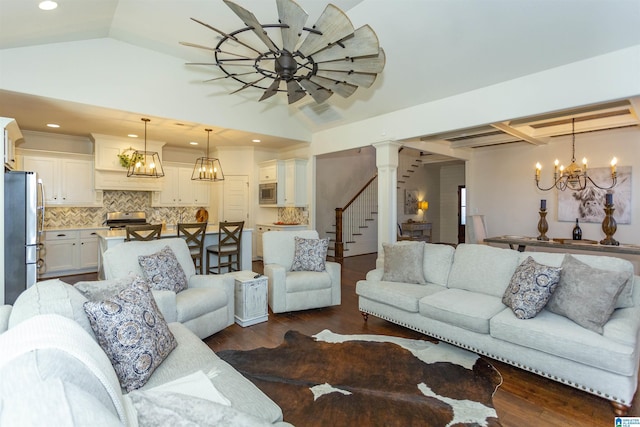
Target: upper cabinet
{"x": 179, "y": 190}
{"x": 67, "y": 180}
{"x": 110, "y": 174}
{"x": 291, "y": 177}
{"x": 11, "y": 134}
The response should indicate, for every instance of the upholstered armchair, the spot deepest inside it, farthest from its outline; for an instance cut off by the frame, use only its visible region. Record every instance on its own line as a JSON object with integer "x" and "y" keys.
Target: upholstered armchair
{"x": 297, "y": 290}
{"x": 206, "y": 306}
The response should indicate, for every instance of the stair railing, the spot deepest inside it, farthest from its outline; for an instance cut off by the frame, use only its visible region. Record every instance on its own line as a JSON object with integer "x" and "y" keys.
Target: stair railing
{"x": 351, "y": 218}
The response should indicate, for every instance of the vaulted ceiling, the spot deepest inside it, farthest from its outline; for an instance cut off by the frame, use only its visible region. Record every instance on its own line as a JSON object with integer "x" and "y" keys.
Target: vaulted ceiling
{"x": 434, "y": 49}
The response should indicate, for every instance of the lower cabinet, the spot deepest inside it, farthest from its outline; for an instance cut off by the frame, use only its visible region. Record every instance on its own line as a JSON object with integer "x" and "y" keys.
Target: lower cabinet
{"x": 70, "y": 251}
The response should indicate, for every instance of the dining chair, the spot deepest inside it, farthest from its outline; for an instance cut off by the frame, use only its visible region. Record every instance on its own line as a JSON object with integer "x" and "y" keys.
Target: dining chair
{"x": 193, "y": 233}
{"x": 143, "y": 232}
{"x": 229, "y": 237}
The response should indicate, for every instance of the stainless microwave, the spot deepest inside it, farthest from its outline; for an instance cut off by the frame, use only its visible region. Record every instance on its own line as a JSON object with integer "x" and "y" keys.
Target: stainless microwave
{"x": 268, "y": 194}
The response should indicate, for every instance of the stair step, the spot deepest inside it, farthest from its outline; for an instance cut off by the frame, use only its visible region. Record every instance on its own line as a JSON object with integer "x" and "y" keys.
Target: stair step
{"x": 401, "y": 182}
{"x": 330, "y": 232}
{"x": 406, "y": 176}
{"x": 363, "y": 226}
{"x": 410, "y": 170}
{"x": 369, "y": 219}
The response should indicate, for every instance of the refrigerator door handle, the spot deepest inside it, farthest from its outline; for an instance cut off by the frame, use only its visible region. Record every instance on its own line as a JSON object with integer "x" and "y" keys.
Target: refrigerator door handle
{"x": 41, "y": 206}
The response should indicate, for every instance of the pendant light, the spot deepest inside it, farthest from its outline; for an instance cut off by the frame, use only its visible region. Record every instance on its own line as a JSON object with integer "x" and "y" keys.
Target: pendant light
{"x": 207, "y": 168}
{"x": 145, "y": 164}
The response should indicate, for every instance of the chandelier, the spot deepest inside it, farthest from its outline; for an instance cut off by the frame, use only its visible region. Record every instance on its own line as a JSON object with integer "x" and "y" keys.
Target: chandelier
{"x": 574, "y": 177}
{"x": 207, "y": 168}
{"x": 330, "y": 57}
{"x": 145, "y": 164}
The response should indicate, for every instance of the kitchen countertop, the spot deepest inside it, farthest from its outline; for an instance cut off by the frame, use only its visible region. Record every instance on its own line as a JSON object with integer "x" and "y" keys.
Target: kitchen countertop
{"x": 170, "y": 231}
{"x": 82, "y": 227}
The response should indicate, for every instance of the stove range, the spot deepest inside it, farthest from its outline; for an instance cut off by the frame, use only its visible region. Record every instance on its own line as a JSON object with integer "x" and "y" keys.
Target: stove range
{"x": 119, "y": 220}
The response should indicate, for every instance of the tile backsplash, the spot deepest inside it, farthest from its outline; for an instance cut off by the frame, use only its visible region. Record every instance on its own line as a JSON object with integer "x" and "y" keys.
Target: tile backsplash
{"x": 63, "y": 217}
{"x": 293, "y": 215}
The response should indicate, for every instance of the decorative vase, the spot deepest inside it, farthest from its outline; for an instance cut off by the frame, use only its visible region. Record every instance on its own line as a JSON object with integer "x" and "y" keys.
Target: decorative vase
{"x": 543, "y": 227}
{"x": 609, "y": 225}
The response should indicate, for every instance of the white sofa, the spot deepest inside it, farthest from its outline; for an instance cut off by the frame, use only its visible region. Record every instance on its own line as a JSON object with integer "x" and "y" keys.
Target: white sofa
{"x": 205, "y": 307}
{"x": 297, "y": 290}
{"x": 461, "y": 303}
{"x": 54, "y": 372}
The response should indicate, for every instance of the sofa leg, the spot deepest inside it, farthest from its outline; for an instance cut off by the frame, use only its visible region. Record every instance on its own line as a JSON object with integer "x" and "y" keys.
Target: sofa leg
{"x": 365, "y": 315}
{"x": 620, "y": 409}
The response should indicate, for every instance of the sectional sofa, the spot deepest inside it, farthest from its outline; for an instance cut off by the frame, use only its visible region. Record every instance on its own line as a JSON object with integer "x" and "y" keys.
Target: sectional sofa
{"x": 54, "y": 372}
{"x": 457, "y": 295}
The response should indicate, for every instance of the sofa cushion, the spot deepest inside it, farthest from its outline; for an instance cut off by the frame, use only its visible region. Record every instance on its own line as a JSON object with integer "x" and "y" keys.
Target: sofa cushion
{"x": 530, "y": 288}
{"x": 302, "y": 281}
{"x": 483, "y": 269}
{"x": 586, "y": 295}
{"x": 625, "y": 299}
{"x": 403, "y": 262}
{"x": 404, "y": 296}
{"x": 163, "y": 271}
{"x": 195, "y": 302}
{"x": 437, "y": 262}
{"x": 51, "y": 297}
{"x": 457, "y": 307}
{"x": 132, "y": 332}
{"x": 309, "y": 254}
{"x": 557, "y": 335}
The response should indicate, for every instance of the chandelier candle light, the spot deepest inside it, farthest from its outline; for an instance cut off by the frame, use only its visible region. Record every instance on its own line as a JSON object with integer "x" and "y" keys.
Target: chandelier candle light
{"x": 573, "y": 176}
{"x": 145, "y": 164}
{"x": 207, "y": 168}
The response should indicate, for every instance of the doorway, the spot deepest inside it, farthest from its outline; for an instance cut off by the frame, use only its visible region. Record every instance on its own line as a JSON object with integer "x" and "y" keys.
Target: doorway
{"x": 462, "y": 212}
{"x": 235, "y": 198}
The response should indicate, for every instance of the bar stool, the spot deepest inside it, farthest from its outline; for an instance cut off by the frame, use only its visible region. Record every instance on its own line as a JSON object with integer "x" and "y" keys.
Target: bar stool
{"x": 143, "y": 232}
{"x": 193, "y": 233}
{"x": 229, "y": 236}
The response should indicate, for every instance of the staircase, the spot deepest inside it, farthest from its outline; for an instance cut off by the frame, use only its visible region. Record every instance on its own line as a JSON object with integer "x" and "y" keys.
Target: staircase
{"x": 407, "y": 166}
{"x": 354, "y": 218}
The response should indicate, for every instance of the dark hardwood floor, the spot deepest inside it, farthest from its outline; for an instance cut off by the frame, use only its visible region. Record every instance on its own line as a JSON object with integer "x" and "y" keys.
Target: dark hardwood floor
{"x": 523, "y": 399}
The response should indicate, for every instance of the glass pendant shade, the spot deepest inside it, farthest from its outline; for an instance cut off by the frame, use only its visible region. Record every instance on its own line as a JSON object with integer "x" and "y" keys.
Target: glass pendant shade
{"x": 207, "y": 168}
{"x": 145, "y": 164}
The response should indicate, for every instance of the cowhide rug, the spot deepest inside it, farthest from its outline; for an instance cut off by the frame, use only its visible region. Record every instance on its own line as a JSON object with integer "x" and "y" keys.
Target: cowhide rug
{"x": 371, "y": 380}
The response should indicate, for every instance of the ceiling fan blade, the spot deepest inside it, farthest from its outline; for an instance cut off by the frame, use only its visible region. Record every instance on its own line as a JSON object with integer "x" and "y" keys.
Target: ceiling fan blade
{"x": 294, "y": 91}
{"x": 334, "y": 25}
{"x": 345, "y": 90}
{"x": 369, "y": 64}
{"x": 199, "y": 46}
{"x": 227, "y": 76}
{"x": 291, "y": 14}
{"x": 318, "y": 93}
{"x": 271, "y": 90}
{"x": 358, "y": 79}
{"x": 364, "y": 42}
{"x": 246, "y": 85}
{"x": 250, "y": 20}
{"x": 229, "y": 36}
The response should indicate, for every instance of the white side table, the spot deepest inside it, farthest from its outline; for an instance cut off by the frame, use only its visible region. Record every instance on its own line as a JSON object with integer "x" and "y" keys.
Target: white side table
{"x": 250, "y": 298}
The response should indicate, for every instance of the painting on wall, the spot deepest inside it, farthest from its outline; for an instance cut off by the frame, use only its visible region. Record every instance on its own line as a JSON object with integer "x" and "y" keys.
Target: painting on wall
{"x": 588, "y": 205}
{"x": 410, "y": 202}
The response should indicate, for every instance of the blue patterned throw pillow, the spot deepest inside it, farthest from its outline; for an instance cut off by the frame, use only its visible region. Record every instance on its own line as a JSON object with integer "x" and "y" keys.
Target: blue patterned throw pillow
{"x": 163, "y": 271}
{"x": 310, "y": 254}
{"x": 132, "y": 332}
{"x": 530, "y": 288}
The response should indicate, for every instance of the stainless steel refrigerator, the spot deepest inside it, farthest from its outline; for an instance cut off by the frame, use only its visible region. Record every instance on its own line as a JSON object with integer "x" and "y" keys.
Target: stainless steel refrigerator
{"x": 23, "y": 221}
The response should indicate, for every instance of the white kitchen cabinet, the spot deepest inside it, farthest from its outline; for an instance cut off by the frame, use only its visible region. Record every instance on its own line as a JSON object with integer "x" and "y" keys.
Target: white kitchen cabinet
{"x": 70, "y": 251}
{"x": 11, "y": 134}
{"x": 291, "y": 177}
{"x": 179, "y": 190}
{"x": 67, "y": 181}
{"x": 271, "y": 171}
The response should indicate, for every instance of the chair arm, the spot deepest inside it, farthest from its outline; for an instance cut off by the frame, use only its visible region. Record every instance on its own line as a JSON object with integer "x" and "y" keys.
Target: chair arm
{"x": 221, "y": 281}
{"x": 277, "y": 279}
{"x": 5, "y": 312}
{"x": 375, "y": 275}
{"x": 166, "y": 302}
{"x": 335, "y": 271}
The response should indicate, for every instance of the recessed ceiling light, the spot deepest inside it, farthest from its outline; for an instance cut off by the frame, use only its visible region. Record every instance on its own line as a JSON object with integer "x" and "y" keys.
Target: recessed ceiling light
{"x": 193, "y": 143}
{"x": 255, "y": 140}
{"x": 53, "y": 125}
{"x": 132, "y": 135}
{"x": 47, "y": 5}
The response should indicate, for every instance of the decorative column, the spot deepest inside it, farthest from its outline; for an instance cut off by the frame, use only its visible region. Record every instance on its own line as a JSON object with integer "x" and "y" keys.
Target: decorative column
{"x": 387, "y": 163}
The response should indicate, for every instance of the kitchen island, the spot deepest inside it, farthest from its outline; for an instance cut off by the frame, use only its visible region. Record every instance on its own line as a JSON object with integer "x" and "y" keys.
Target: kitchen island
{"x": 111, "y": 238}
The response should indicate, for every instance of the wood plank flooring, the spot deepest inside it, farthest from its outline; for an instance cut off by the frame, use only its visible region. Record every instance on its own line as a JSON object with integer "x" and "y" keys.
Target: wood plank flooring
{"x": 523, "y": 399}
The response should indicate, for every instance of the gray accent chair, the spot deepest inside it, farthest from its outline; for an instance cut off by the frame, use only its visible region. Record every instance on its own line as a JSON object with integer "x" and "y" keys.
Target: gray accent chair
{"x": 297, "y": 290}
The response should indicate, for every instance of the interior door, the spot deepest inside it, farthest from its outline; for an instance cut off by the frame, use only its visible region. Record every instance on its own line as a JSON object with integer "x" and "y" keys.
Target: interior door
{"x": 235, "y": 198}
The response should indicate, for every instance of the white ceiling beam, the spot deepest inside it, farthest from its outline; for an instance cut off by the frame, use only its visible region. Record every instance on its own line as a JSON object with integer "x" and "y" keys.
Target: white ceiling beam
{"x": 635, "y": 108}
{"x": 504, "y": 127}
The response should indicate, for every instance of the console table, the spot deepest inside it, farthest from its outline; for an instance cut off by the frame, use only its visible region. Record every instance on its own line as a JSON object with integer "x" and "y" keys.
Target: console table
{"x": 417, "y": 231}
{"x": 522, "y": 242}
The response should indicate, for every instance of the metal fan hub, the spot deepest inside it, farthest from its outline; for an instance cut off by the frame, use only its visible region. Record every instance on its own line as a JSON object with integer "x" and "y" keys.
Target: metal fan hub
{"x": 286, "y": 66}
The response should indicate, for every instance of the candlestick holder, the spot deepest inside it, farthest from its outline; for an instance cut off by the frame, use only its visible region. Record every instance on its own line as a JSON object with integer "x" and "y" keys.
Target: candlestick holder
{"x": 543, "y": 227}
{"x": 609, "y": 226}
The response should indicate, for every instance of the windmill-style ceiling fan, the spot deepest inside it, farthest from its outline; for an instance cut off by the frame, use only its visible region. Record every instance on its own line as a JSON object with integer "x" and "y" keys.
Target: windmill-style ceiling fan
{"x": 330, "y": 57}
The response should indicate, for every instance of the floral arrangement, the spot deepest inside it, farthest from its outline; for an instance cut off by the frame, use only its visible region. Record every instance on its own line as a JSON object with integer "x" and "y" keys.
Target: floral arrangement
{"x": 127, "y": 160}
